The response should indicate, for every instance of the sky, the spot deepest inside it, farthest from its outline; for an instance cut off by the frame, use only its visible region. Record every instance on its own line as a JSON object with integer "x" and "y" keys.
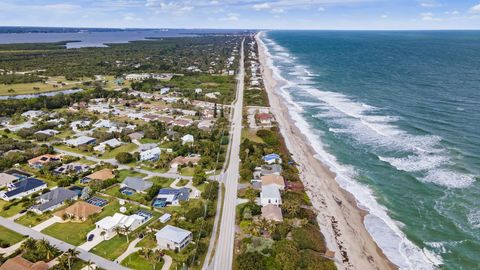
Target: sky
{"x": 244, "y": 14}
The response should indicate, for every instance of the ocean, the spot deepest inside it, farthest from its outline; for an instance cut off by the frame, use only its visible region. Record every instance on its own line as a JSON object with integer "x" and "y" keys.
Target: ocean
{"x": 396, "y": 114}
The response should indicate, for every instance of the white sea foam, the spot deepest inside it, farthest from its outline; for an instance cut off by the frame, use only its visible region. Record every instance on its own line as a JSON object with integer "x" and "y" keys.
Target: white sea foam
{"x": 383, "y": 229}
{"x": 474, "y": 218}
{"x": 450, "y": 179}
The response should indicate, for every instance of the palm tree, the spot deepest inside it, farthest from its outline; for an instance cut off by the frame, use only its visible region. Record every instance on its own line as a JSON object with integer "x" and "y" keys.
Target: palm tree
{"x": 102, "y": 234}
{"x": 89, "y": 264}
{"x": 118, "y": 230}
{"x": 72, "y": 254}
{"x": 46, "y": 247}
{"x": 156, "y": 258}
{"x": 29, "y": 244}
{"x": 126, "y": 231}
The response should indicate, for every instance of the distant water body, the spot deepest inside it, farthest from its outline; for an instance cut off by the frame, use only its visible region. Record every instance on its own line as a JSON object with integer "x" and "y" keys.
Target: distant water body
{"x": 98, "y": 39}
{"x": 397, "y": 115}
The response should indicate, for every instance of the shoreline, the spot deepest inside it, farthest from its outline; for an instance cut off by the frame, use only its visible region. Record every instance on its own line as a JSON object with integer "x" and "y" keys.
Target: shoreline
{"x": 341, "y": 220}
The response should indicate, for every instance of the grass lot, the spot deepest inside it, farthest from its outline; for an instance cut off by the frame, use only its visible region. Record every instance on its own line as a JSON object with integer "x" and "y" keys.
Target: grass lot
{"x": 251, "y": 135}
{"x": 182, "y": 182}
{"x": 130, "y": 148}
{"x": 147, "y": 168}
{"x": 10, "y": 237}
{"x": 31, "y": 219}
{"x": 73, "y": 150}
{"x": 77, "y": 232}
{"x": 112, "y": 248}
{"x": 163, "y": 182}
{"x": 135, "y": 261}
{"x": 122, "y": 174}
{"x": 223, "y": 84}
{"x": 187, "y": 171}
{"x": 13, "y": 210}
{"x": 27, "y": 88}
{"x": 65, "y": 134}
{"x": 148, "y": 140}
{"x": 147, "y": 242}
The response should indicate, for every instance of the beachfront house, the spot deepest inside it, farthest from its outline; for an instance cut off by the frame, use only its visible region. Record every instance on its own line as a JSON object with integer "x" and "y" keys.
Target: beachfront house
{"x": 22, "y": 188}
{"x": 54, "y": 199}
{"x": 273, "y": 179}
{"x": 270, "y": 194}
{"x": 173, "y": 238}
{"x": 272, "y": 212}
{"x": 272, "y": 159}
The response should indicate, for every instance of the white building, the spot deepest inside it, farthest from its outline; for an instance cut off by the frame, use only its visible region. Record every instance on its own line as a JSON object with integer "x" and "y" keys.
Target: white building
{"x": 108, "y": 224}
{"x": 187, "y": 139}
{"x": 32, "y": 114}
{"x": 82, "y": 140}
{"x": 112, "y": 143}
{"x": 174, "y": 238}
{"x": 150, "y": 154}
{"x": 270, "y": 195}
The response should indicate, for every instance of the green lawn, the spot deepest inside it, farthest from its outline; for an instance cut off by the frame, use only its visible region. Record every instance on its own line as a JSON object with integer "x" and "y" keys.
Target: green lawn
{"x": 73, "y": 150}
{"x": 27, "y": 88}
{"x": 182, "y": 182}
{"x": 187, "y": 171}
{"x": 10, "y": 237}
{"x": 122, "y": 174}
{"x": 163, "y": 182}
{"x": 148, "y": 140}
{"x": 77, "y": 232}
{"x": 147, "y": 242}
{"x": 135, "y": 261}
{"x": 251, "y": 135}
{"x": 129, "y": 148}
{"x": 112, "y": 248}
{"x": 31, "y": 219}
{"x": 148, "y": 168}
{"x": 13, "y": 210}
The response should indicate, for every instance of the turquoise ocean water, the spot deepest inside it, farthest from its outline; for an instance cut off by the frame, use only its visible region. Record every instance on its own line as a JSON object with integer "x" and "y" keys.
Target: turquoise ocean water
{"x": 397, "y": 116}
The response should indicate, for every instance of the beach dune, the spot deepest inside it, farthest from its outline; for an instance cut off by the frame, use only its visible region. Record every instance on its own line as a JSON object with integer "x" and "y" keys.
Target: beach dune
{"x": 341, "y": 221}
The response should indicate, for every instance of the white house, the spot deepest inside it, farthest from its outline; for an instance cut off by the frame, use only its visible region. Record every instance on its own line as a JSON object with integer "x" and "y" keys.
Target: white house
{"x": 108, "y": 224}
{"x": 113, "y": 143}
{"x": 22, "y": 188}
{"x": 187, "y": 139}
{"x": 150, "y": 154}
{"x": 270, "y": 195}
{"x": 174, "y": 238}
{"x": 32, "y": 114}
{"x": 82, "y": 140}
{"x": 48, "y": 132}
{"x": 198, "y": 90}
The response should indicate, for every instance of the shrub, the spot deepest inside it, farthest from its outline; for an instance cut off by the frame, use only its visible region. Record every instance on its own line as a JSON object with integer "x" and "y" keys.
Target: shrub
{"x": 309, "y": 237}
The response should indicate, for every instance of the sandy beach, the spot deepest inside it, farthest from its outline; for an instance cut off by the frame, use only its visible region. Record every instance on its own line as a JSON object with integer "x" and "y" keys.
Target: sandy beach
{"x": 341, "y": 221}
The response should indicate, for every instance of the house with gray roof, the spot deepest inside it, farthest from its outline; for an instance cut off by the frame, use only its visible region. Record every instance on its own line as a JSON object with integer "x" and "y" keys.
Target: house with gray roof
{"x": 137, "y": 184}
{"x": 54, "y": 199}
{"x": 173, "y": 196}
{"x": 174, "y": 238}
{"x": 6, "y": 179}
{"x": 22, "y": 188}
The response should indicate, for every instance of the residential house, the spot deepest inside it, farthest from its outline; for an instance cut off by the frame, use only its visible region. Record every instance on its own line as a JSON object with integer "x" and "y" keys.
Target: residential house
{"x": 32, "y": 114}
{"x": 182, "y": 122}
{"x": 108, "y": 224}
{"x": 54, "y": 199}
{"x": 6, "y": 179}
{"x": 102, "y": 175}
{"x": 173, "y": 238}
{"x": 112, "y": 143}
{"x": 73, "y": 167}
{"x": 48, "y": 132}
{"x": 82, "y": 140}
{"x": 79, "y": 211}
{"x": 19, "y": 263}
{"x": 40, "y": 161}
{"x": 150, "y": 154}
{"x": 187, "y": 139}
{"x": 22, "y": 188}
{"x": 270, "y": 194}
{"x": 135, "y": 136}
{"x": 206, "y": 124}
{"x": 272, "y": 159}
{"x": 272, "y": 213}
{"x": 267, "y": 169}
{"x": 264, "y": 118}
{"x": 273, "y": 179}
{"x": 173, "y": 196}
{"x": 180, "y": 161}
{"x": 137, "y": 184}
{"x": 165, "y": 218}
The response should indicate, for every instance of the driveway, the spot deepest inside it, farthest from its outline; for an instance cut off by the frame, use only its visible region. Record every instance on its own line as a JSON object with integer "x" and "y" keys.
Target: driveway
{"x": 47, "y": 223}
{"x": 97, "y": 239}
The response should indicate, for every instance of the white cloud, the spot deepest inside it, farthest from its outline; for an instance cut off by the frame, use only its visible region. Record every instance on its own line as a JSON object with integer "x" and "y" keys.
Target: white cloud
{"x": 429, "y": 4}
{"x": 169, "y": 7}
{"x": 278, "y": 10}
{"x": 384, "y": 16}
{"x": 261, "y": 6}
{"x": 321, "y": 9}
{"x": 453, "y": 12}
{"x": 475, "y": 9}
{"x": 428, "y": 16}
{"x": 230, "y": 17}
{"x": 63, "y": 7}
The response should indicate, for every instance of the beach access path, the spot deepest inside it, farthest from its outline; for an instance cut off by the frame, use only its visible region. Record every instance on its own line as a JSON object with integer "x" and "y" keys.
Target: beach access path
{"x": 223, "y": 257}
{"x": 84, "y": 255}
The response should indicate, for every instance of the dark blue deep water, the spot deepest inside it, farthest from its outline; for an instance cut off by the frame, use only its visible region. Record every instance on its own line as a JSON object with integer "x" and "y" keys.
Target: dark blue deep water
{"x": 397, "y": 116}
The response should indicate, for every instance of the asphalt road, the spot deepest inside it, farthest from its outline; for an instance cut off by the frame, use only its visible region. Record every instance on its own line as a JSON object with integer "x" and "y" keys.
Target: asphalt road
{"x": 224, "y": 250}
{"x": 84, "y": 255}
